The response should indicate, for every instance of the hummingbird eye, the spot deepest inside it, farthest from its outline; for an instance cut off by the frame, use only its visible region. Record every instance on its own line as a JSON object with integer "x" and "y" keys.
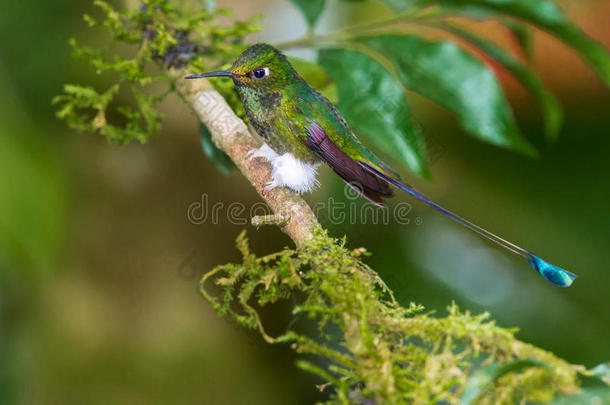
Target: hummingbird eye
{"x": 260, "y": 73}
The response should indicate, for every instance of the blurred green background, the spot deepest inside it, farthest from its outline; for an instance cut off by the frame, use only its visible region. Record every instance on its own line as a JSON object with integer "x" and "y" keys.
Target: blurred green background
{"x": 99, "y": 264}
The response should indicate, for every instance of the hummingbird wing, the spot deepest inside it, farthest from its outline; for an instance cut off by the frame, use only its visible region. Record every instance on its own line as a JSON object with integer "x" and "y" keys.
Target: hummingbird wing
{"x": 327, "y": 134}
{"x": 366, "y": 183}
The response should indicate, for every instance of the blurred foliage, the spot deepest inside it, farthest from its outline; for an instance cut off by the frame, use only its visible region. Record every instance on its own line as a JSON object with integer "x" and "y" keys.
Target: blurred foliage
{"x": 30, "y": 236}
{"x": 33, "y": 203}
{"x": 312, "y": 9}
{"x": 174, "y": 36}
{"x": 376, "y": 351}
{"x": 543, "y": 14}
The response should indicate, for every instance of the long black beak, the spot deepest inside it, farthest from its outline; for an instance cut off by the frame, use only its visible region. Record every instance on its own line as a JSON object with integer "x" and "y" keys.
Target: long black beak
{"x": 212, "y": 74}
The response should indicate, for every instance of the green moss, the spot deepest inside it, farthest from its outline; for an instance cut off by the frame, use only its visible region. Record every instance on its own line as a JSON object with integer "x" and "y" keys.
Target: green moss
{"x": 373, "y": 347}
{"x": 142, "y": 44}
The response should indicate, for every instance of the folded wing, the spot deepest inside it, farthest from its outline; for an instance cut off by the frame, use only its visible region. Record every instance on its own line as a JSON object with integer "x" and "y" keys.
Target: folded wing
{"x": 360, "y": 179}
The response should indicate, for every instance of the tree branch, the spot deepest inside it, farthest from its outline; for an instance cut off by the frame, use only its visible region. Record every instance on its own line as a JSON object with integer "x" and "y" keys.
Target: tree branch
{"x": 231, "y": 135}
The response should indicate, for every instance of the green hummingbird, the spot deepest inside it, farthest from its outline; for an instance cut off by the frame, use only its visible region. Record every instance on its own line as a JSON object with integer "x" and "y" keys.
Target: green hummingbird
{"x": 303, "y": 129}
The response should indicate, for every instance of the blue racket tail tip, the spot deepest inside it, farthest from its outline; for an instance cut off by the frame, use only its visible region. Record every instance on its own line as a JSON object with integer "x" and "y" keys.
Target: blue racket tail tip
{"x": 552, "y": 273}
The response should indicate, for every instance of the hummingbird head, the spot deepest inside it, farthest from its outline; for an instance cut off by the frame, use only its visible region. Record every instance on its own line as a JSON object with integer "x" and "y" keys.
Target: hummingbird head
{"x": 260, "y": 67}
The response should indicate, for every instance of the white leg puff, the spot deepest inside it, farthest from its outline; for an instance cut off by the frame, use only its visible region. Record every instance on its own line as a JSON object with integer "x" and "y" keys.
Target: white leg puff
{"x": 287, "y": 171}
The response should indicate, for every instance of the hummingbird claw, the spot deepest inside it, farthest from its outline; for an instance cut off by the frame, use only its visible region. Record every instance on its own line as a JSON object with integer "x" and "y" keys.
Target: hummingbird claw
{"x": 270, "y": 185}
{"x": 251, "y": 154}
{"x": 264, "y": 151}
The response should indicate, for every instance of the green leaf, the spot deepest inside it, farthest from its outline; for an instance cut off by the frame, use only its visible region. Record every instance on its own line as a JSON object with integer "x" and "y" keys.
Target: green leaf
{"x": 546, "y": 15}
{"x": 312, "y": 9}
{"x": 374, "y": 104}
{"x": 456, "y": 80}
{"x": 223, "y": 162}
{"x": 523, "y": 35}
{"x": 588, "y": 396}
{"x": 481, "y": 380}
{"x": 551, "y": 109}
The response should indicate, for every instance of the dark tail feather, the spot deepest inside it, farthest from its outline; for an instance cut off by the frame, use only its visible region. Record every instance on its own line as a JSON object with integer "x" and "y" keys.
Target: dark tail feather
{"x": 373, "y": 196}
{"x": 554, "y": 274}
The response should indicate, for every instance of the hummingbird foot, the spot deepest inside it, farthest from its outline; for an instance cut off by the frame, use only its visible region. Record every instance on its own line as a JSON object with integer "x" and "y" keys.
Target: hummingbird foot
{"x": 270, "y": 185}
{"x": 264, "y": 151}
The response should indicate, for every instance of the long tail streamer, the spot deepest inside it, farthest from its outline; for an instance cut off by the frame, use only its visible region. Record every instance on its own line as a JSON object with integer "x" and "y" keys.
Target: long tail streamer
{"x": 551, "y": 273}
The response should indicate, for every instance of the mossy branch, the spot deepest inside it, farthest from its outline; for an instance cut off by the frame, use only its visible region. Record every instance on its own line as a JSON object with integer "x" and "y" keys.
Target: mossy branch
{"x": 375, "y": 350}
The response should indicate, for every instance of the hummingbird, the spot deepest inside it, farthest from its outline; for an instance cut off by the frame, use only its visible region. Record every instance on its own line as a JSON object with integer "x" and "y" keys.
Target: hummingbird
{"x": 302, "y": 129}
